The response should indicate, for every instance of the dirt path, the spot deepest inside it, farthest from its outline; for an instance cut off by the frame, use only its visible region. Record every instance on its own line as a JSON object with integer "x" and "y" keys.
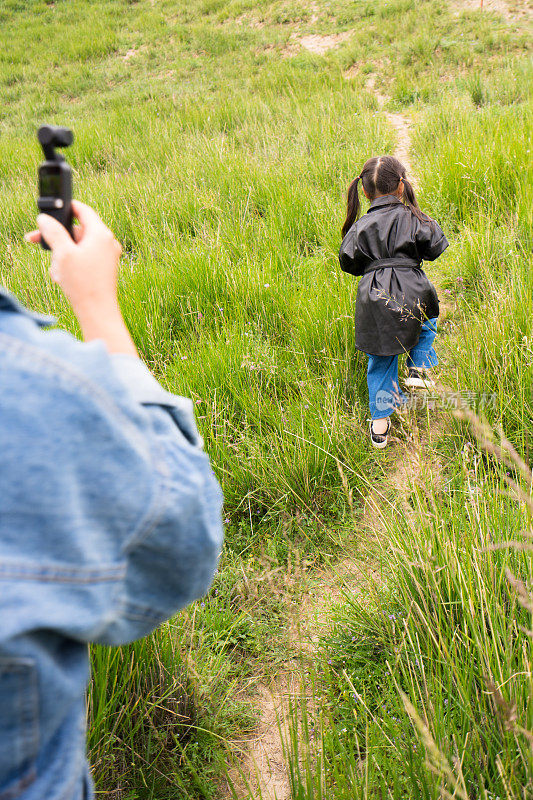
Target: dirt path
{"x": 263, "y": 773}
{"x": 402, "y": 125}
{"x": 264, "y": 769}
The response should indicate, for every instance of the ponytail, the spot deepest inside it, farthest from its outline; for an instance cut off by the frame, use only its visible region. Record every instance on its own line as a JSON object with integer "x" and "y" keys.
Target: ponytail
{"x": 412, "y": 203}
{"x": 353, "y": 206}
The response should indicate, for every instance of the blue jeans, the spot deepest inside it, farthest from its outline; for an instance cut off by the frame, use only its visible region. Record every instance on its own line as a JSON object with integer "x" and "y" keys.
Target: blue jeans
{"x": 384, "y": 393}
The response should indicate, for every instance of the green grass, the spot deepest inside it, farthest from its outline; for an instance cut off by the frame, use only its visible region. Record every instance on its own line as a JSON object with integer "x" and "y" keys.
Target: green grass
{"x": 425, "y": 691}
{"x": 221, "y": 160}
{"x": 477, "y": 164}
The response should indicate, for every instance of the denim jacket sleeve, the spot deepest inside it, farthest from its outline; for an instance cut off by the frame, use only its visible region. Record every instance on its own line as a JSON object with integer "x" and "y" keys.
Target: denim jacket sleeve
{"x": 111, "y": 514}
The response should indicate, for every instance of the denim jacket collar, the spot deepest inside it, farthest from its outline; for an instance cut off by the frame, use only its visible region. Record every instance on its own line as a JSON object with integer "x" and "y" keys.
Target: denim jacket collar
{"x": 8, "y": 302}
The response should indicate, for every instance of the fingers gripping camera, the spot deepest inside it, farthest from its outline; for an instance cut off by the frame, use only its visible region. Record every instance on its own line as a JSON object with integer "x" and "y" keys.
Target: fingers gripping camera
{"x": 55, "y": 177}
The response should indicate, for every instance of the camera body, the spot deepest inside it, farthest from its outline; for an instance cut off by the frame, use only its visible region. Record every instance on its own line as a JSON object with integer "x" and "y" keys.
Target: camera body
{"x": 55, "y": 177}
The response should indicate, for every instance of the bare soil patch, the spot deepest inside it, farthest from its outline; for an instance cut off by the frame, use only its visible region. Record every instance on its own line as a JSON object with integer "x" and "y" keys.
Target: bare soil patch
{"x": 130, "y": 54}
{"x": 314, "y": 43}
{"x": 351, "y": 73}
{"x": 247, "y": 21}
{"x": 133, "y": 52}
{"x": 511, "y": 10}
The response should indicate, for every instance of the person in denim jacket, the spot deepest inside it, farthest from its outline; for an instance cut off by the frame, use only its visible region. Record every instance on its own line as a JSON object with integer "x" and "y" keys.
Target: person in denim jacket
{"x": 110, "y": 514}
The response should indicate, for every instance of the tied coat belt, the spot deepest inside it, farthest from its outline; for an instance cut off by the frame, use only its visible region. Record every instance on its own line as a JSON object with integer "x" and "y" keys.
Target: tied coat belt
{"x": 380, "y": 263}
{"x": 394, "y": 297}
{"x": 387, "y": 246}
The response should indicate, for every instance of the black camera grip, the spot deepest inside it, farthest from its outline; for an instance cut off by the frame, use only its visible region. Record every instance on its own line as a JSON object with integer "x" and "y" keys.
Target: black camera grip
{"x": 55, "y": 177}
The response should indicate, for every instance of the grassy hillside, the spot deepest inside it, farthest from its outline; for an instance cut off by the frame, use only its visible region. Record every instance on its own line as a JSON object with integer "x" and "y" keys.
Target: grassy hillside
{"x": 219, "y": 150}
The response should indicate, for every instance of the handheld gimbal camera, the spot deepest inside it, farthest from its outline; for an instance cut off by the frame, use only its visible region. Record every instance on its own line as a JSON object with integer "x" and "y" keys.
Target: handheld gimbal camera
{"x": 55, "y": 177}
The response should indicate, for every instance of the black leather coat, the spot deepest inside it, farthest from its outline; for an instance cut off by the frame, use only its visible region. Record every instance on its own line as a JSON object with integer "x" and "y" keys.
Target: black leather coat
{"x": 387, "y": 246}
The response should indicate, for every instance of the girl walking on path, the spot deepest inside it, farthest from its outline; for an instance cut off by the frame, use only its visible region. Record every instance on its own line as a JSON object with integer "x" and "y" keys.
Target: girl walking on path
{"x": 397, "y": 306}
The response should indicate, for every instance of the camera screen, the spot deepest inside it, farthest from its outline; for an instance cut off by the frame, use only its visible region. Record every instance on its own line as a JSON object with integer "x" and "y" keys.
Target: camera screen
{"x": 50, "y": 182}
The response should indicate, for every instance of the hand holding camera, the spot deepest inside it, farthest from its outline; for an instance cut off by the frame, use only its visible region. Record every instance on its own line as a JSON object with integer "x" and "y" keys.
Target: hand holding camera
{"x": 84, "y": 264}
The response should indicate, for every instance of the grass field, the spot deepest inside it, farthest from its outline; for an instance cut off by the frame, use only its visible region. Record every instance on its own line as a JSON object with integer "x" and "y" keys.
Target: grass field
{"x": 219, "y": 150}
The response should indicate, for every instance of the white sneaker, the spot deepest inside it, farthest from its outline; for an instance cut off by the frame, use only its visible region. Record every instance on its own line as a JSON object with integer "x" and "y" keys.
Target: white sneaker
{"x": 379, "y": 440}
{"x": 418, "y": 379}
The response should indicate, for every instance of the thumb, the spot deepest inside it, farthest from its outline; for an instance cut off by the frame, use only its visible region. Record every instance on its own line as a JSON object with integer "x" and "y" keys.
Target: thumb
{"x": 55, "y": 235}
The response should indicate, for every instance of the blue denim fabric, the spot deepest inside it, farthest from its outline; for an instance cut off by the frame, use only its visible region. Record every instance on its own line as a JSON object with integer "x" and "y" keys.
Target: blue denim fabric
{"x": 384, "y": 393}
{"x": 110, "y": 521}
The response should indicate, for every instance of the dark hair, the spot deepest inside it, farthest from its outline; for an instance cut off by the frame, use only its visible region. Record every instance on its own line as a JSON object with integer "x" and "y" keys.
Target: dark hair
{"x": 380, "y": 175}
